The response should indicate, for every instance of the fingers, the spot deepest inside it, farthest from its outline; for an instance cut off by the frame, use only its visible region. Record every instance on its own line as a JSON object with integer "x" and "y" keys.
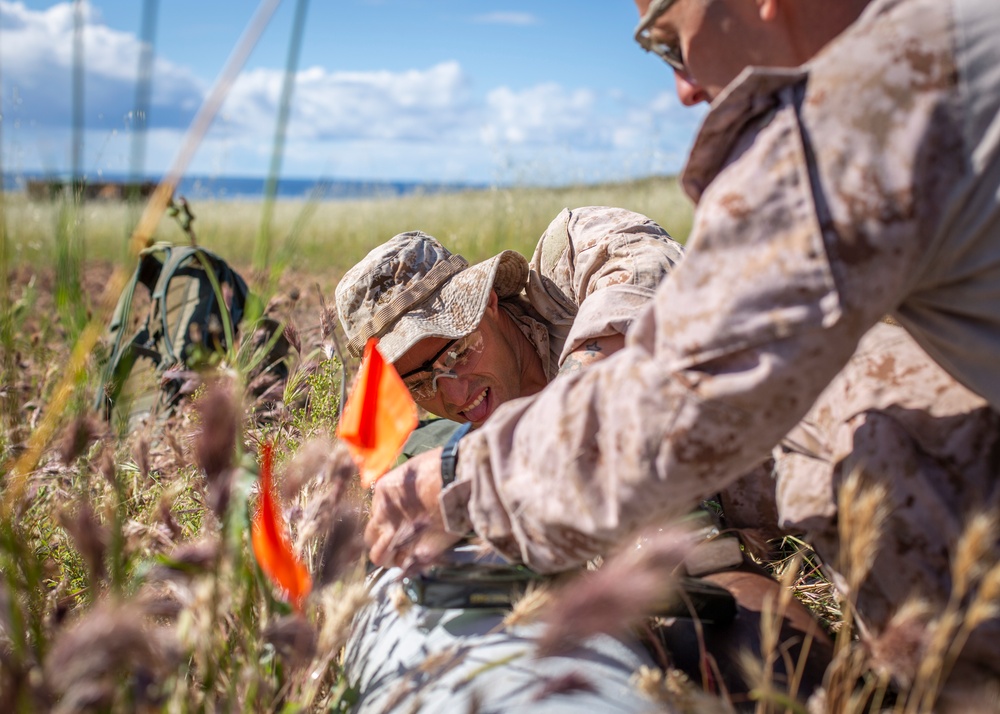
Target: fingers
{"x": 405, "y": 522}
{"x": 390, "y": 545}
{"x": 383, "y": 526}
{"x": 380, "y": 553}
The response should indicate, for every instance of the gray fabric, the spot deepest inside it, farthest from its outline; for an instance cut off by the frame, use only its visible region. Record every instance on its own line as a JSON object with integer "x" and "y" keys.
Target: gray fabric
{"x": 391, "y": 654}
{"x": 428, "y": 435}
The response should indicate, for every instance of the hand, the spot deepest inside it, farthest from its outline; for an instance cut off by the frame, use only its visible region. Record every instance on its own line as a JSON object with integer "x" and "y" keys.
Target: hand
{"x": 406, "y": 527}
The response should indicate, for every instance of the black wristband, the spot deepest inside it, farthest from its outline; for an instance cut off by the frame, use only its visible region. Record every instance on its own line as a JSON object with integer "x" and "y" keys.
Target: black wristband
{"x": 449, "y": 457}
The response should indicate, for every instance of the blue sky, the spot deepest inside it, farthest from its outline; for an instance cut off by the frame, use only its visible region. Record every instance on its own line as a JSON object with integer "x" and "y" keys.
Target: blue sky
{"x": 430, "y": 90}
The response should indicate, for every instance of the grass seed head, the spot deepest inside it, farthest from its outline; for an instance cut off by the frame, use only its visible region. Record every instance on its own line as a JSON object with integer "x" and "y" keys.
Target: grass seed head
{"x": 331, "y": 473}
{"x": 88, "y": 658}
{"x": 902, "y": 644}
{"x": 529, "y": 607}
{"x": 188, "y": 559}
{"x": 610, "y": 600}
{"x": 108, "y": 466}
{"x": 215, "y": 446}
{"x": 986, "y": 604}
{"x": 343, "y": 547}
{"x": 291, "y": 334}
{"x": 313, "y": 462}
{"x": 141, "y": 454}
{"x": 90, "y": 537}
{"x": 563, "y": 684}
{"x": 294, "y": 638}
{"x": 180, "y": 460}
{"x": 216, "y": 442}
{"x": 166, "y": 517}
{"x": 975, "y": 552}
{"x": 401, "y": 602}
{"x": 861, "y": 517}
{"x": 77, "y": 437}
{"x": 339, "y": 606}
{"x": 675, "y": 690}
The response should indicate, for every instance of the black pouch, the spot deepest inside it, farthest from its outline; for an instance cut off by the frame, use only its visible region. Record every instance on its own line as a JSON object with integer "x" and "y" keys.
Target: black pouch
{"x": 472, "y": 586}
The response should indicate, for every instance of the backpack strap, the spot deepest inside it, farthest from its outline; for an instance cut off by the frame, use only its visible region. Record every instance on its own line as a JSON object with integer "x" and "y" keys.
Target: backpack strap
{"x": 185, "y": 285}
{"x": 171, "y": 343}
{"x": 123, "y": 353}
{"x": 200, "y": 299}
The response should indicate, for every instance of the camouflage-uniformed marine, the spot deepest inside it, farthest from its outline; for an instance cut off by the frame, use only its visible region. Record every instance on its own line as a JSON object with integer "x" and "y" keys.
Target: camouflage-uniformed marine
{"x": 594, "y": 269}
{"x": 865, "y": 183}
{"x": 592, "y": 272}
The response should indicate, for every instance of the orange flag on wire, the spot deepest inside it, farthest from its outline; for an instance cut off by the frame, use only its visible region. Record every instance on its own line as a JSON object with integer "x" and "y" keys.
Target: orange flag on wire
{"x": 270, "y": 544}
{"x": 379, "y": 416}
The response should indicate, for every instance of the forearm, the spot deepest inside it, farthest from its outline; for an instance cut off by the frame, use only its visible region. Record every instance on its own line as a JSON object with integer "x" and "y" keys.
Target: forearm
{"x": 592, "y": 351}
{"x": 558, "y": 479}
{"x": 740, "y": 340}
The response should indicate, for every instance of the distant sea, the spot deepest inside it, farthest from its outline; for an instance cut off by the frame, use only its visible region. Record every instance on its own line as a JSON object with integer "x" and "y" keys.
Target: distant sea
{"x": 250, "y": 188}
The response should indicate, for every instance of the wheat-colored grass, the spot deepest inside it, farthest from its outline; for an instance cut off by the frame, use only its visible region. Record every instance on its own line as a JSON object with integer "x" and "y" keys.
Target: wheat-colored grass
{"x": 327, "y": 237}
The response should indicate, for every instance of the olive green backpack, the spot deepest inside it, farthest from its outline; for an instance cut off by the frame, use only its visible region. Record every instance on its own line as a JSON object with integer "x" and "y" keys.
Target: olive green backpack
{"x": 185, "y": 327}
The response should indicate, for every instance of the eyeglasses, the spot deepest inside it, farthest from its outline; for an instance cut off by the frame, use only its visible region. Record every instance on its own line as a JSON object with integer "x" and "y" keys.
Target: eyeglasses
{"x": 668, "y": 53}
{"x": 461, "y": 353}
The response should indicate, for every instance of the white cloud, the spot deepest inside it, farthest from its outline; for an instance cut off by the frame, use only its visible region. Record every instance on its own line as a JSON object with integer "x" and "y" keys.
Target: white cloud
{"x": 36, "y": 58}
{"x": 426, "y": 123}
{"x": 434, "y": 104}
{"x": 542, "y": 114}
{"x": 506, "y": 18}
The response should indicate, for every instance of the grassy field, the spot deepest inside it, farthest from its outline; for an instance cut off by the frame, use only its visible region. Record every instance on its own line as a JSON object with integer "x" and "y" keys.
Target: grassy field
{"x": 128, "y": 579}
{"x": 328, "y": 237}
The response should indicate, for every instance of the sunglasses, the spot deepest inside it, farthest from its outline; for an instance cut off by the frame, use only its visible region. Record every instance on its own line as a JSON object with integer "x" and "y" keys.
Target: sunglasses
{"x": 461, "y": 353}
{"x": 668, "y": 53}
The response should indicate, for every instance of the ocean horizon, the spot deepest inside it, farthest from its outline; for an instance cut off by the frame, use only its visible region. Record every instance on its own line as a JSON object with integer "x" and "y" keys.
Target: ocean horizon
{"x": 249, "y": 188}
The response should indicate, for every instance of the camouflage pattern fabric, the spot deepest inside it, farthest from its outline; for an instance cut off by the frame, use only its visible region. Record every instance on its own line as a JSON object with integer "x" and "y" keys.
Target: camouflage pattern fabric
{"x": 863, "y": 184}
{"x": 412, "y": 287}
{"x": 898, "y": 421}
{"x": 593, "y": 271}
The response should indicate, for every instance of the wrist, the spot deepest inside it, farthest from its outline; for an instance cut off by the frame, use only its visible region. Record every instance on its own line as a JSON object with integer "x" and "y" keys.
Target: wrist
{"x": 449, "y": 456}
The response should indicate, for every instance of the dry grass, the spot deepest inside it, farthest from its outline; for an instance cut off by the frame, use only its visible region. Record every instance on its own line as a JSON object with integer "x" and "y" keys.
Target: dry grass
{"x": 128, "y": 583}
{"x": 328, "y": 237}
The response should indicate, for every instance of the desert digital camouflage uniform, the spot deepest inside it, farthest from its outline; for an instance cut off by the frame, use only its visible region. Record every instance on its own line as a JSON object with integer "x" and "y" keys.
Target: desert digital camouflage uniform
{"x": 865, "y": 183}
{"x": 594, "y": 269}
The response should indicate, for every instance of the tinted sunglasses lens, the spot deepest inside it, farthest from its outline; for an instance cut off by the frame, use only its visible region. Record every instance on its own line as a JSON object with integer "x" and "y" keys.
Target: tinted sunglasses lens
{"x": 465, "y": 354}
{"x": 668, "y": 54}
{"x": 672, "y": 57}
{"x": 421, "y": 387}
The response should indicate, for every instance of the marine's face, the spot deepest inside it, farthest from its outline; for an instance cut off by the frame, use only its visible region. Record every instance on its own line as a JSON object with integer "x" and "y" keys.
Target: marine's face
{"x": 471, "y": 378}
{"x": 716, "y": 40}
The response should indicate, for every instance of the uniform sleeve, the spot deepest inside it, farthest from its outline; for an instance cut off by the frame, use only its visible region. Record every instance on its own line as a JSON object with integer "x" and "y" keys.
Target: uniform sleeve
{"x": 735, "y": 348}
{"x": 607, "y": 262}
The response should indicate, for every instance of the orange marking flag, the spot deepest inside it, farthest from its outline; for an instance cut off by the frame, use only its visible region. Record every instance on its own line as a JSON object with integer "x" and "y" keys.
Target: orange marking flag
{"x": 270, "y": 544}
{"x": 379, "y": 416}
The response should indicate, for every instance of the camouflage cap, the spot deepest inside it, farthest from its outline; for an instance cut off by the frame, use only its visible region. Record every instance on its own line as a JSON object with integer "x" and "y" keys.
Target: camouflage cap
{"x": 412, "y": 288}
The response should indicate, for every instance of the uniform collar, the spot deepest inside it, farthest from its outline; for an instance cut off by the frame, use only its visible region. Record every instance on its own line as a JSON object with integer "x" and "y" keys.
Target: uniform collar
{"x": 753, "y": 95}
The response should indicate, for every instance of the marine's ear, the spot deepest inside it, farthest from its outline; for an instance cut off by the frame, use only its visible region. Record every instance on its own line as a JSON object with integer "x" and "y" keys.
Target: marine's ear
{"x": 492, "y": 306}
